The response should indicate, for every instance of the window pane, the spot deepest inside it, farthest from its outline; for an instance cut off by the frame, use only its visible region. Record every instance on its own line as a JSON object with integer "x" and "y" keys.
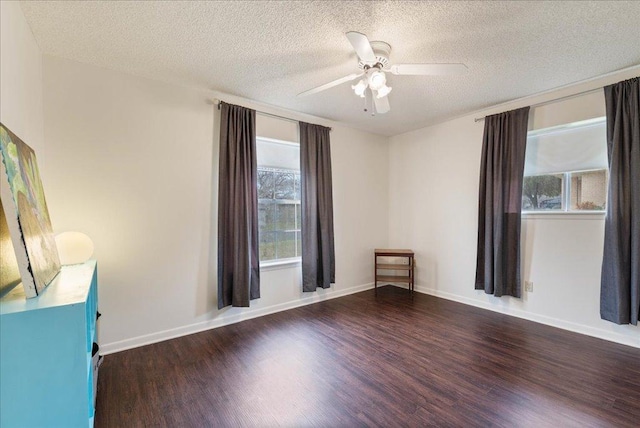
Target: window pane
{"x": 278, "y": 199}
{"x": 566, "y": 167}
{"x": 298, "y": 217}
{"x": 265, "y": 184}
{"x": 266, "y": 215}
{"x": 267, "y": 245}
{"x": 298, "y": 244}
{"x": 297, "y": 189}
{"x": 286, "y": 245}
{"x": 542, "y": 192}
{"x": 589, "y": 190}
{"x": 286, "y": 219}
{"x": 284, "y": 186}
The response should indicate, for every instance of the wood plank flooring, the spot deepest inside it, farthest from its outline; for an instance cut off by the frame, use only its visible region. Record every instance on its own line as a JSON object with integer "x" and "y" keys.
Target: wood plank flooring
{"x": 365, "y": 360}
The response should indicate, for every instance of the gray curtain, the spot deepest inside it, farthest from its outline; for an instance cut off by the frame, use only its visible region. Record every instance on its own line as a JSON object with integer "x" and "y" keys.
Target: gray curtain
{"x": 318, "y": 254}
{"x": 620, "y": 285}
{"x": 500, "y": 203}
{"x": 238, "y": 256}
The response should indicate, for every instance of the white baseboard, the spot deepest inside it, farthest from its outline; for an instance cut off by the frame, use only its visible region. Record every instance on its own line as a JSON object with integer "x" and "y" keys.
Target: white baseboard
{"x": 542, "y": 319}
{"x": 160, "y": 336}
{"x": 134, "y": 342}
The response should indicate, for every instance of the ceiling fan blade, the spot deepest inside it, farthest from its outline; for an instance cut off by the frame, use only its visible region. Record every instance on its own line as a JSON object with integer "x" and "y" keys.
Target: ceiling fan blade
{"x": 330, "y": 84}
{"x": 382, "y": 104}
{"x": 361, "y": 45}
{"x": 428, "y": 69}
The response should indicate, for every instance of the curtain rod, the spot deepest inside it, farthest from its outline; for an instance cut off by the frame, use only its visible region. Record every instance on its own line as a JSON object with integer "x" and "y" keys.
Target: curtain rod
{"x": 544, "y": 103}
{"x": 218, "y": 102}
{"x": 613, "y": 73}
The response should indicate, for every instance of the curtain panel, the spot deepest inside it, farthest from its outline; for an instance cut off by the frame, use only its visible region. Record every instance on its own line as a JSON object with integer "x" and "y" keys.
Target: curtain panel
{"x": 500, "y": 203}
{"x": 318, "y": 253}
{"x": 238, "y": 254}
{"x": 620, "y": 281}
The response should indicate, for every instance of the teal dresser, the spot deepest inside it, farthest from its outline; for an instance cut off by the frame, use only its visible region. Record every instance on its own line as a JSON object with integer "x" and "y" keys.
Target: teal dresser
{"x": 46, "y": 368}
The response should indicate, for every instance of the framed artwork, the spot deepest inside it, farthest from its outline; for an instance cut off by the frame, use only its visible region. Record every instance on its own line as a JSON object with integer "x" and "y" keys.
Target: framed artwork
{"x": 26, "y": 214}
{"x": 9, "y": 274}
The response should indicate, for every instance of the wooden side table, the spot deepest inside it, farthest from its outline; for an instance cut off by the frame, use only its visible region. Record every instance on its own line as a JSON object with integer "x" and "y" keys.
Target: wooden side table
{"x": 407, "y": 278}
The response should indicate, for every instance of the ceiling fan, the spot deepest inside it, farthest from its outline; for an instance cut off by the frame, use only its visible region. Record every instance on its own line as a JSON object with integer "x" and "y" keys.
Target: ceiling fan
{"x": 373, "y": 63}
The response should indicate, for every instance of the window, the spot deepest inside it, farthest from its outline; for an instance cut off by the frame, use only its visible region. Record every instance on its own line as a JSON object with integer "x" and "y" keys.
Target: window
{"x": 279, "y": 216}
{"x": 566, "y": 168}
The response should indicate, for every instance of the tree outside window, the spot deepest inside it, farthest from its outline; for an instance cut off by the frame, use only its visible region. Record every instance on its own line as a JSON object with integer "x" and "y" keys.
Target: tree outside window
{"x": 541, "y": 192}
{"x": 569, "y": 191}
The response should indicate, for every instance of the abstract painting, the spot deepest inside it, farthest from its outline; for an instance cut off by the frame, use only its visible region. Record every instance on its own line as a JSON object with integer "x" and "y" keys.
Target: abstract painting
{"x": 26, "y": 214}
{"x": 9, "y": 273}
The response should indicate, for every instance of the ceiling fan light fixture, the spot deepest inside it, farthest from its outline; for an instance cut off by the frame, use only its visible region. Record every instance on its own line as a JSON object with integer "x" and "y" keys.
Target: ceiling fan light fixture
{"x": 383, "y": 92}
{"x": 373, "y": 62}
{"x": 377, "y": 79}
{"x": 359, "y": 88}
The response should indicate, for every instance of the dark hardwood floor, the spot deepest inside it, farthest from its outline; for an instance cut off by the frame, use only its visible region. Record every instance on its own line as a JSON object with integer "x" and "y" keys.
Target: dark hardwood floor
{"x": 363, "y": 360}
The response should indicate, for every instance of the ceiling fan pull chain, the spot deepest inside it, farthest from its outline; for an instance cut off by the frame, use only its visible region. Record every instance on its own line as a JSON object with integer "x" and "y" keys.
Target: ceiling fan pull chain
{"x": 373, "y": 104}
{"x": 367, "y": 99}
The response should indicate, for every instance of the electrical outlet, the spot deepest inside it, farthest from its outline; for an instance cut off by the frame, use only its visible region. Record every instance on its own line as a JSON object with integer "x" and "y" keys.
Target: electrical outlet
{"x": 528, "y": 286}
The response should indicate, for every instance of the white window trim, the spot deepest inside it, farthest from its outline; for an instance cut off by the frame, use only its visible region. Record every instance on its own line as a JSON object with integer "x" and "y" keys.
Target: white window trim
{"x": 567, "y": 126}
{"x": 563, "y": 215}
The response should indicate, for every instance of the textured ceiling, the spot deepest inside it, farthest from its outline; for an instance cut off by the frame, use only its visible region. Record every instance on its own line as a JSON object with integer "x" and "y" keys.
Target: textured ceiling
{"x": 271, "y": 51}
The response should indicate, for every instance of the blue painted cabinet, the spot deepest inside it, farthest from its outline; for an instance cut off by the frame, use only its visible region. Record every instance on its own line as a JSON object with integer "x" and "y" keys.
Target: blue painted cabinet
{"x": 46, "y": 369}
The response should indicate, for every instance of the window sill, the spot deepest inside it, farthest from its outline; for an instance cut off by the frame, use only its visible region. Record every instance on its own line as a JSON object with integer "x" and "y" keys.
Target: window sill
{"x": 564, "y": 215}
{"x": 280, "y": 264}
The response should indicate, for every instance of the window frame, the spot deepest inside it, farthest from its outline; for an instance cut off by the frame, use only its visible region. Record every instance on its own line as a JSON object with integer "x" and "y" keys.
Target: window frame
{"x": 566, "y": 194}
{"x": 566, "y": 175}
{"x": 281, "y": 263}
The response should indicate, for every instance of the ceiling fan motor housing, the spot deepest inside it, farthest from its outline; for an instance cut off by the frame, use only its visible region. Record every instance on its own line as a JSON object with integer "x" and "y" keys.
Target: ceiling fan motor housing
{"x": 381, "y": 51}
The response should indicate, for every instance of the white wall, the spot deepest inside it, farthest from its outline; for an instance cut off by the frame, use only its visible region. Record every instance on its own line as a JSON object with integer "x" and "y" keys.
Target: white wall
{"x": 20, "y": 78}
{"x": 276, "y": 128}
{"x": 20, "y": 105}
{"x": 433, "y": 187}
{"x": 133, "y": 163}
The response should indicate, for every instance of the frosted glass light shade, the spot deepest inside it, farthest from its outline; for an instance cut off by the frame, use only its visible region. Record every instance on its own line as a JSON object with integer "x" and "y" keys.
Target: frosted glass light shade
{"x": 74, "y": 247}
{"x": 383, "y": 92}
{"x": 377, "y": 80}
{"x": 359, "y": 88}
